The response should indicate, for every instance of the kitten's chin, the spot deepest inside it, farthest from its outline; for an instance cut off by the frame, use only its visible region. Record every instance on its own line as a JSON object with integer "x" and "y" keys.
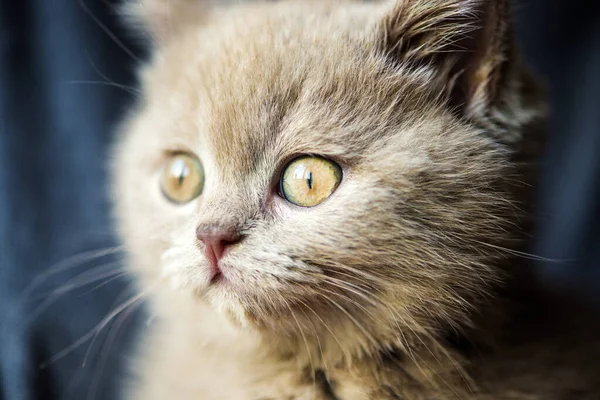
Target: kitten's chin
{"x": 240, "y": 306}
{"x": 241, "y": 300}
{"x": 228, "y": 303}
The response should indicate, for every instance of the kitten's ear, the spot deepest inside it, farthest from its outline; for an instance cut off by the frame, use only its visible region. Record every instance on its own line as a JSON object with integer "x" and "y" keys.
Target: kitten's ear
{"x": 162, "y": 20}
{"x": 469, "y": 44}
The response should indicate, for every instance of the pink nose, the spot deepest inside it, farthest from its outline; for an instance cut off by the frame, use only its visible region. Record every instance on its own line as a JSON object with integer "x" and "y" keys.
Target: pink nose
{"x": 217, "y": 239}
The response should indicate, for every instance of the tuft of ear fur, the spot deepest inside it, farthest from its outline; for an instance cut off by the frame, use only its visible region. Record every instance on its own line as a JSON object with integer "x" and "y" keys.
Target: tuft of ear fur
{"x": 470, "y": 46}
{"x": 163, "y": 20}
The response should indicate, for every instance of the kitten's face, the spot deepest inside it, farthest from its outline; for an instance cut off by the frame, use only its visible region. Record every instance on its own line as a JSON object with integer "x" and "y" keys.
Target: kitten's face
{"x": 405, "y": 238}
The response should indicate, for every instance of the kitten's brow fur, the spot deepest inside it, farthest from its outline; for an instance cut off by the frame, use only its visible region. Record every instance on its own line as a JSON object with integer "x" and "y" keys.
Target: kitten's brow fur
{"x": 399, "y": 286}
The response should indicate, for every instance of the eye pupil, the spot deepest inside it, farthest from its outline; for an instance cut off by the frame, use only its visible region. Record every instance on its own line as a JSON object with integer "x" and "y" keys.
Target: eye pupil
{"x": 309, "y": 180}
{"x": 183, "y": 172}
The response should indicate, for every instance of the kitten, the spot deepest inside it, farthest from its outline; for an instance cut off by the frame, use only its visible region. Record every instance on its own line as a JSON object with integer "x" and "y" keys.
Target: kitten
{"x": 322, "y": 200}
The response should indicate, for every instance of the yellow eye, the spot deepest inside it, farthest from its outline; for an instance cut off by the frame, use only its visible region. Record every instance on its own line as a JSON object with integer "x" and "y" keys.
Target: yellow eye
{"x": 308, "y": 181}
{"x": 182, "y": 178}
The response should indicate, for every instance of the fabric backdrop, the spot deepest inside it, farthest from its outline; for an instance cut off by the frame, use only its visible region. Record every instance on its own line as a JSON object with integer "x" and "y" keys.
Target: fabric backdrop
{"x": 65, "y": 76}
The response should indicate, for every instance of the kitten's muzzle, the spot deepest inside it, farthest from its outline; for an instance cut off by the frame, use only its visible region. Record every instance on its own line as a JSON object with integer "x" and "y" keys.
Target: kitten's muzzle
{"x": 217, "y": 241}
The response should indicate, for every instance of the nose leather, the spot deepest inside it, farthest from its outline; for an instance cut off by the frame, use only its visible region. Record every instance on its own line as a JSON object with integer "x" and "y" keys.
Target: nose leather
{"x": 217, "y": 240}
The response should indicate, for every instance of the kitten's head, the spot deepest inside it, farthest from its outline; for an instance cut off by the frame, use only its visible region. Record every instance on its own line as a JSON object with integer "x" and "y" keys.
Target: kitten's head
{"x": 333, "y": 165}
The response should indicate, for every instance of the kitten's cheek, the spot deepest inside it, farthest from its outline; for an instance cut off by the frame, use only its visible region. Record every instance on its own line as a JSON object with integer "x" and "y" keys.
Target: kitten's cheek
{"x": 178, "y": 283}
{"x": 186, "y": 278}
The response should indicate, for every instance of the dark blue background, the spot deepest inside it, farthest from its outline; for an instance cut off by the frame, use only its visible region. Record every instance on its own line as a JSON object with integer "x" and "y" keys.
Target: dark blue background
{"x": 58, "y": 109}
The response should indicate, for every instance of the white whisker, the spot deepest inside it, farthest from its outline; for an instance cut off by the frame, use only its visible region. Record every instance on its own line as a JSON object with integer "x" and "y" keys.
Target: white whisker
{"x": 105, "y": 321}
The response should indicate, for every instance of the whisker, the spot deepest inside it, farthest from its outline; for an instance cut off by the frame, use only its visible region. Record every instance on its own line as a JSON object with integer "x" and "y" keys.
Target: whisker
{"x": 347, "y": 355}
{"x": 353, "y": 303}
{"x": 92, "y": 275}
{"x": 52, "y": 297}
{"x": 74, "y": 261}
{"x": 90, "y": 334}
{"x": 369, "y": 276}
{"x": 79, "y": 375}
{"x": 347, "y": 286}
{"x": 106, "y": 30}
{"x": 350, "y": 317}
{"x": 120, "y": 298}
{"x": 106, "y": 282}
{"x": 113, "y": 335}
{"x": 457, "y": 367}
{"x": 106, "y": 77}
{"x": 317, "y": 337}
{"x": 525, "y": 255}
{"x": 126, "y": 88}
{"x": 308, "y": 352}
{"x": 353, "y": 276}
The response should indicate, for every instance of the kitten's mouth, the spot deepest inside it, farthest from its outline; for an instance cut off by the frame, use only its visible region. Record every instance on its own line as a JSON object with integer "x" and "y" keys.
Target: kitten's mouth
{"x": 217, "y": 278}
